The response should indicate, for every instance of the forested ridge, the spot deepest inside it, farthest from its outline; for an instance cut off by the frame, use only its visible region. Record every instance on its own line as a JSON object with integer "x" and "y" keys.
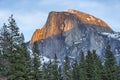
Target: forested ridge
{"x": 16, "y": 62}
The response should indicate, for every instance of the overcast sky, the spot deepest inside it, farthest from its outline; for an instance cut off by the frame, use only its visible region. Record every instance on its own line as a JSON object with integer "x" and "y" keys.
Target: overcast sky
{"x": 32, "y": 14}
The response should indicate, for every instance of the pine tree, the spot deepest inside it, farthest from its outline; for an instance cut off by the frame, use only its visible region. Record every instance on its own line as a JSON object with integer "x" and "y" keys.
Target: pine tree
{"x": 48, "y": 71}
{"x": 97, "y": 72}
{"x": 4, "y": 38}
{"x": 75, "y": 71}
{"x": 1, "y": 64}
{"x": 118, "y": 72}
{"x": 36, "y": 62}
{"x": 110, "y": 65}
{"x": 82, "y": 65}
{"x": 67, "y": 73}
{"x": 13, "y": 52}
{"x": 51, "y": 71}
{"x": 55, "y": 69}
{"x": 60, "y": 73}
{"x": 4, "y": 35}
{"x": 28, "y": 61}
{"x": 45, "y": 72}
{"x": 93, "y": 66}
{"x": 89, "y": 66}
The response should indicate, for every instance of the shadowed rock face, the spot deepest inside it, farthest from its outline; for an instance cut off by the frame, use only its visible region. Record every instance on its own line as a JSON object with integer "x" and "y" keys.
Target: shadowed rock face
{"x": 59, "y": 22}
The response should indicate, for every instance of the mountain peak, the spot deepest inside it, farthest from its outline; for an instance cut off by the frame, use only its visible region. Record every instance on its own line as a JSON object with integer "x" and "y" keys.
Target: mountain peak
{"x": 63, "y": 21}
{"x": 87, "y": 18}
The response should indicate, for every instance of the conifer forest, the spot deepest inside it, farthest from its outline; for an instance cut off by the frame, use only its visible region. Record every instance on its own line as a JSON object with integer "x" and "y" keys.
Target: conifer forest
{"x": 18, "y": 63}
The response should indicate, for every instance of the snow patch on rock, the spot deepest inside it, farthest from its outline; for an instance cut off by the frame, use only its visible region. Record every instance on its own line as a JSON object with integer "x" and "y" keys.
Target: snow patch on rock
{"x": 112, "y": 35}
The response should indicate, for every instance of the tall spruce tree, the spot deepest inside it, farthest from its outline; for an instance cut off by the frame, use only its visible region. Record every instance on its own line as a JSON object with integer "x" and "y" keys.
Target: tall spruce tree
{"x": 93, "y": 66}
{"x": 82, "y": 67}
{"x": 75, "y": 71}
{"x": 60, "y": 73}
{"x": 110, "y": 65}
{"x": 10, "y": 43}
{"x": 14, "y": 53}
{"x": 45, "y": 75}
{"x": 55, "y": 69}
{"x": 89, "y": 66}
{"x": 36, "y": 62}
{"x": 51, "y": 70}
{"x": 118, "y": 72}
{"x": 1, "y": 64}
{"x": 48, "y": 71}
{"x": 4, "y": 35}
{"x": 97, "y": 72}
{"x": 67, "y": 71}
{"x": 28, "y": 61}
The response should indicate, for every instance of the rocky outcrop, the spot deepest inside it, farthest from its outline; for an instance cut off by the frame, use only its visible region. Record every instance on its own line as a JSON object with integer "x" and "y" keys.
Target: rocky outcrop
{"x": 69, "y": 32}
{"x": 59, "y": 22}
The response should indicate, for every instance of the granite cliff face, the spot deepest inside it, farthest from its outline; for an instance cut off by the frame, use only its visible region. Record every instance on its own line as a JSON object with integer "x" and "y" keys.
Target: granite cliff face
{"x": 59, "y": 22}
{"x": 68, "y": 32}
